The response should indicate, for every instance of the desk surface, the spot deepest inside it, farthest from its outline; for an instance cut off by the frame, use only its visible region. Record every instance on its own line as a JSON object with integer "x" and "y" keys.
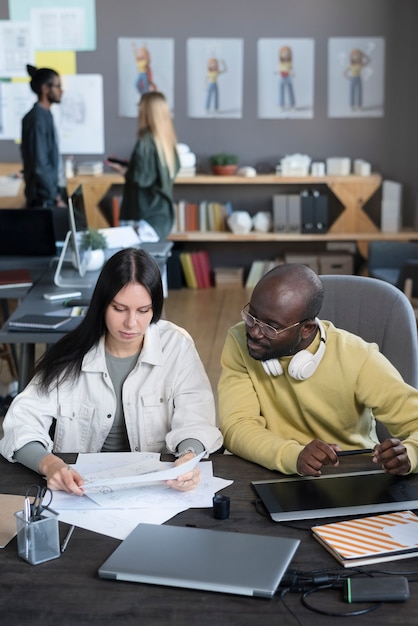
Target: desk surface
{"x": 68, "y": 591}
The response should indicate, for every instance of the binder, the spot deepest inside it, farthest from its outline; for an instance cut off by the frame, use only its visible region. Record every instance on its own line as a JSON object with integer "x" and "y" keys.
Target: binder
{"x": 307, "y": 213}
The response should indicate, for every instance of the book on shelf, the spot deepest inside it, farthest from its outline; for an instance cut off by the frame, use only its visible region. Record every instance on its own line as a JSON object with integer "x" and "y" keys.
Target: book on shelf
{"x": 368, "y": 540}
{"x": 258, "y": 268}
{"x": 33, "y": 321}
{"x": 15, "y": 278}
{"x": 191, "y": 217}
{"x": 202, "y": 269}
{"x": 188, "y": 269}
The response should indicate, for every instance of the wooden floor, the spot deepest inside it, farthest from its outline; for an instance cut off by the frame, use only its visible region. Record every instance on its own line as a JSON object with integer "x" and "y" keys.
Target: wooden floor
{"x": 207, "y": 314}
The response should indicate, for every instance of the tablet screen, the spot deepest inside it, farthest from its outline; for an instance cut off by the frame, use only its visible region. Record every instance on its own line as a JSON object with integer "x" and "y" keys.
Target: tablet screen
{"x": 305, "y": 497}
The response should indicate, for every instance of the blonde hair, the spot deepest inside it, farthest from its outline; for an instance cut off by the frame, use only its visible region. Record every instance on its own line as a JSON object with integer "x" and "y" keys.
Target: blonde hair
{"x": 155, "y": 116}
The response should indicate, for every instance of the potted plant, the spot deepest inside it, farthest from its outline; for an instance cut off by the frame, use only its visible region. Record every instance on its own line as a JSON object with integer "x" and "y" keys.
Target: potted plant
{"x": 224, "y": 164}
{"x": 94, "y": 243}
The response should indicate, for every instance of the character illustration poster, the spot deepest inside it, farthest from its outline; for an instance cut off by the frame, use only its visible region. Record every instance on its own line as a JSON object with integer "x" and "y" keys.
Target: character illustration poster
{"x": 144, "y": 64}
{"x": 214, "y": 77}
{"x": 285, "y": 78}
{"x": 356, "y": 69}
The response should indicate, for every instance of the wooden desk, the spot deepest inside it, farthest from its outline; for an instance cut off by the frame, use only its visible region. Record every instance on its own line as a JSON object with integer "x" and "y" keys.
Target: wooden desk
{"x": 68, "y": 591}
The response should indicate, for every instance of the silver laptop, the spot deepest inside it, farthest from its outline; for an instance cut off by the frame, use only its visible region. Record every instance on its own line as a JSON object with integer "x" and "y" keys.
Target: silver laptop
{"x": 194, "y": 558}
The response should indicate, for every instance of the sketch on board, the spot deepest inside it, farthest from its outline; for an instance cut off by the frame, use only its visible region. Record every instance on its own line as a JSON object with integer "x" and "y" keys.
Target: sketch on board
{"x": 214, "y": 78}
{"x": 356, "y": 67}
{"x": 285, "y": 78}
{"x": 144, "y": 64}
{"x": 80, "y": 117}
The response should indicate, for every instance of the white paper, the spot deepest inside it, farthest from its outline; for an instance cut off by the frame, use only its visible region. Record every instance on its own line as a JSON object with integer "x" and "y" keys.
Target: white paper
{"x": 116, "y": 512}
{"x": 138, "y": 473}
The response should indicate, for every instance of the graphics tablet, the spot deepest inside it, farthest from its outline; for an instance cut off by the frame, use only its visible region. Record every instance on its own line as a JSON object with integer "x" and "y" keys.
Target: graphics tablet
{"x": 307, "y": 497}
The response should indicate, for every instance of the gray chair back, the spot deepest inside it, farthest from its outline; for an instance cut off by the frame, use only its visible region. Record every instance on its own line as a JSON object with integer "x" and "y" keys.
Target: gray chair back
{"x": 378, "y": 312}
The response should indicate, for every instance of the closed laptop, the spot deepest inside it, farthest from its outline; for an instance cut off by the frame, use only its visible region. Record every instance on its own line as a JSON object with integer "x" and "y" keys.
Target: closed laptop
{"x": 195, "y": 558}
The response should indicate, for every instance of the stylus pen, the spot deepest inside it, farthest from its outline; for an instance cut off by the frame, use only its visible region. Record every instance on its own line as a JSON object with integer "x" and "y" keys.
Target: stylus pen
{"x": 352, "y": 452}
{"x": 67, "y": 539}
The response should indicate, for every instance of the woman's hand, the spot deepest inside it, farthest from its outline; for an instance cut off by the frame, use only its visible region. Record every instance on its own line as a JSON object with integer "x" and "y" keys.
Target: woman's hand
{"x": 118, "y": 167}
{"x": 60, "y": 476}
{"x": 185, "y": 482}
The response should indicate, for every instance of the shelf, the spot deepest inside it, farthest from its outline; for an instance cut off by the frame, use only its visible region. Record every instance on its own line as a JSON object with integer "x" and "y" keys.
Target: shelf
{"x": 272, "y": 179}
{"x": 210, "y": 236}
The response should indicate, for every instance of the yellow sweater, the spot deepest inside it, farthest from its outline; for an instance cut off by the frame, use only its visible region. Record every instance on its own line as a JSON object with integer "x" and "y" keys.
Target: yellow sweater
{"x": 269, "y": 420}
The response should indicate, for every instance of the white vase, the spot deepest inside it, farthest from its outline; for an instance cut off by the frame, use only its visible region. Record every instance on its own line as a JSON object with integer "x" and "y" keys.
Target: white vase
{"x": 94, "y": 260}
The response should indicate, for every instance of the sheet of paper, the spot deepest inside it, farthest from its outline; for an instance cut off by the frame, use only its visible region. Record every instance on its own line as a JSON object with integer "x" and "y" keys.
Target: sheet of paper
{"x": 116, "y": 523}
{"x": 88, "y": 463}
{"x": 137, "y": 473}
{"x": 116, "y": 512}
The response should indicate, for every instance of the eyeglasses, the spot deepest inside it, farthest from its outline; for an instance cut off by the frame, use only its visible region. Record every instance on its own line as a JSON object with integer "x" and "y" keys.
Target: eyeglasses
{"x": 268, "y": 331}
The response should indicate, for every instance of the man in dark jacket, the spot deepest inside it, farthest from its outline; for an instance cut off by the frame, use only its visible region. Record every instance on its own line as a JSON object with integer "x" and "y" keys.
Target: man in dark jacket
{"x": 42, "y": 166}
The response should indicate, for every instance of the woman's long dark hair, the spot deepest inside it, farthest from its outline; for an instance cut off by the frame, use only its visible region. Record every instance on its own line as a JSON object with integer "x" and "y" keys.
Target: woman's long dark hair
{"x": 63, "y": 360}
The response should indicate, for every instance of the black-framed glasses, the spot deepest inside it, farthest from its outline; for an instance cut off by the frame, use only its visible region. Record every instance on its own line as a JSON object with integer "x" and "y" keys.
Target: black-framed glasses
{"x": 268, "y": 331}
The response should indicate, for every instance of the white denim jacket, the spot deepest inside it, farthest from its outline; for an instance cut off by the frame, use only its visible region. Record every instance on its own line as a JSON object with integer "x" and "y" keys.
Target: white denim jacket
{"x": 166, "y": 398}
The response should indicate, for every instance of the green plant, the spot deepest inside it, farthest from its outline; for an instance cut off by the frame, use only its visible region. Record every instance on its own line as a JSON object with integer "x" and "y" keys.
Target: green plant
{"x": 223, "y": 158}
{"x": 94, "y": 239}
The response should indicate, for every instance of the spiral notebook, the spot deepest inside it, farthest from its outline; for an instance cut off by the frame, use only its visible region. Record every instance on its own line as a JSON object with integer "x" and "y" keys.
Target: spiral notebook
{"x": 39, "y": 322}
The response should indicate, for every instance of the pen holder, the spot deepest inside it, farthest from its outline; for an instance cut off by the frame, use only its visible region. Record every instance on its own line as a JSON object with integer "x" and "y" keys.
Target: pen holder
{"x": 37, "y": 541}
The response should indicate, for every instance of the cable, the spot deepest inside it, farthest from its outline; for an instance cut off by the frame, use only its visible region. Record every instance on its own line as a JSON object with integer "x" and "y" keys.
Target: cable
{"x": 309, "y": 606}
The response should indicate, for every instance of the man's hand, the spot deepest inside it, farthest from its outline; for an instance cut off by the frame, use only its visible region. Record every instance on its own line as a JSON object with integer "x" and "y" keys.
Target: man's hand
{"x": 392, "y": 456}
{"x": 316, "y": 454}
{"x": 60, "y": 476}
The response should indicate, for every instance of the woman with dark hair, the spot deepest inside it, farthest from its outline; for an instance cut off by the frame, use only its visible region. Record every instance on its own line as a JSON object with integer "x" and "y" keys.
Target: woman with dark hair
{"x": 122, "y": 380}
{"x": 42, "y": 165}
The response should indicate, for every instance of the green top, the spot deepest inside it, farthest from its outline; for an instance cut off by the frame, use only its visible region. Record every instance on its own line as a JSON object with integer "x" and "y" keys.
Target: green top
{"x": 148, "y": 191}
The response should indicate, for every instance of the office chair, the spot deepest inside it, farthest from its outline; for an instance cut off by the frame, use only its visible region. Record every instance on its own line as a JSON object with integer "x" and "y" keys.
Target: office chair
{"x": 378, "y": 312}
{"x": 385, "y": 258}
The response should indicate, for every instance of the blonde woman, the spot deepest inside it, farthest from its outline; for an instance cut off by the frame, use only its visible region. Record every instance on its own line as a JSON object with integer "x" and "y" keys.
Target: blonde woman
{"x": 147, "y": 202}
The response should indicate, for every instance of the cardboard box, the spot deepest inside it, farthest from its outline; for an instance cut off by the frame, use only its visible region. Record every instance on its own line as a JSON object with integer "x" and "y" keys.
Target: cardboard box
{"x": 311, "y": 260}
{"x": 228, "y": 276}
{"x": 336, "y": 264}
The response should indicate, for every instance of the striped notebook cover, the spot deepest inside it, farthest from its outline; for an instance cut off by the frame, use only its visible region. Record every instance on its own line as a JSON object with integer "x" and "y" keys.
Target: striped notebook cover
{"x": 367, "y": 540}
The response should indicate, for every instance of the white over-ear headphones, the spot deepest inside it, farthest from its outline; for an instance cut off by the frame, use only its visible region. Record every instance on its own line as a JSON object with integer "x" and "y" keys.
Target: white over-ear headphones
{"x": 303, "y": 364}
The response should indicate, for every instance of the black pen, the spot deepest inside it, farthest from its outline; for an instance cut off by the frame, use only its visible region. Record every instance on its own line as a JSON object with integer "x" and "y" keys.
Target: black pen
{"x": 353, "y": 452}
{"x": 67, "y": 538}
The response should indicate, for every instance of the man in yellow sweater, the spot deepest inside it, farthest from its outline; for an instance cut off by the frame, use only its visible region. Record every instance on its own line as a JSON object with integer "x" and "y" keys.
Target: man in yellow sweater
{"x": 294, "y": 389}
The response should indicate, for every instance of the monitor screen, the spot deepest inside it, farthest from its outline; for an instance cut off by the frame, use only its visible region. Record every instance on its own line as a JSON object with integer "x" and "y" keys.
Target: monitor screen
{"x": 332, "y": 495}
{"x": 27, "y": 232}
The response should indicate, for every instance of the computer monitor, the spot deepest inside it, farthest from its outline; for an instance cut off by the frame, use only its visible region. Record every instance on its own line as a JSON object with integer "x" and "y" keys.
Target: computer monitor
{"x": 74, "y": 252}
{"x": 78, "y": 225}
{"x": 27, "y": 232}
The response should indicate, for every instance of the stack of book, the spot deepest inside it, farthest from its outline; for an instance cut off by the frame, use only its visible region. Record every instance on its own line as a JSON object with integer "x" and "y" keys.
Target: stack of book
{"x": 186, "y": 172}
{"x": 196, "y": 269}
{"x": 228, "y": 276}
{"x": 88, "y": 168}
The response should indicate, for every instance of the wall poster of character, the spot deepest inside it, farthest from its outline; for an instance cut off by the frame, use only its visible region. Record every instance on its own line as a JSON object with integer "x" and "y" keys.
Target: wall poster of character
{"x": 285, "y": 78}
{"x": 214, "y": 78}
{"x": 356, "y": 70}
{"x": 144, "y": 64}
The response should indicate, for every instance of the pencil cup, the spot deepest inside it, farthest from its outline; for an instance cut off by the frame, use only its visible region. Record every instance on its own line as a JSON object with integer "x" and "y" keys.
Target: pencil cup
{"x": 37, "y": 541}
